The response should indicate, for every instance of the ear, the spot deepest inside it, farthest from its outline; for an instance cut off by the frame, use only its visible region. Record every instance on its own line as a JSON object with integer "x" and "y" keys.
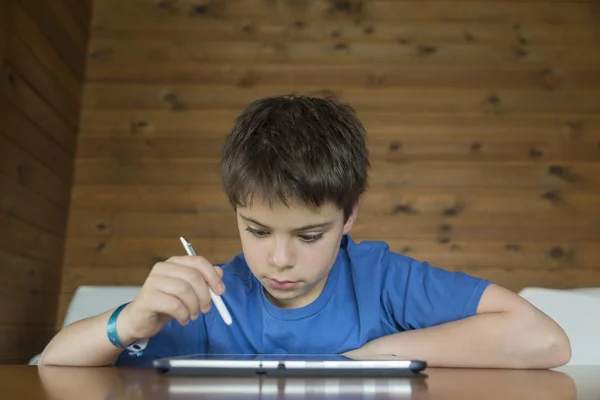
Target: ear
{"x": 351, "y": 218}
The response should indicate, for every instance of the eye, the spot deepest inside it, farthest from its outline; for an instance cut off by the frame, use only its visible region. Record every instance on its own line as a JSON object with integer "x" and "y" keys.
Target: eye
{"x": 311, "y": 238}
{"x": 257, "y": 232}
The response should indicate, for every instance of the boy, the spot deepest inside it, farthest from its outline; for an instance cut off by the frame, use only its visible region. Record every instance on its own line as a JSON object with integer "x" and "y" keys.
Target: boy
{"x": 294, "y": 169}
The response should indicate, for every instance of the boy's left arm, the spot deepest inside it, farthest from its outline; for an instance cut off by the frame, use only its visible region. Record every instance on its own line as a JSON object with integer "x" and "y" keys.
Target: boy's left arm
{"x": 506, "y": 332}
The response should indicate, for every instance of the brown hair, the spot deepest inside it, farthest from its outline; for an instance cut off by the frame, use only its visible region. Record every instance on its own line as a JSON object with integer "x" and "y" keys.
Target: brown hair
{"x": 296, "y": 148}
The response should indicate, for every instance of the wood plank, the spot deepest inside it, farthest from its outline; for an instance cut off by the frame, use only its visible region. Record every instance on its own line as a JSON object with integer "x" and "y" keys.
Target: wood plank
{"x": 27, "y": 135}
{"x": 27, "y": 307}
{"x": 380, "y": 150}
{"x": 75, "y": 277}
{"x": 31, "y": 35}
{"x": 71, "y": 48}
{"x": 64, "y": 300}
{"x": 136, "y": 252}
{"x": 376, "y": 201}
{"x": 186, "y": 12}
{"x": 453, "y": 201}
{"x": 511, "y": 256}
{"x": 28, "y": 172}
{"x": 443, "y": 100}
{"x": 103, "y": 251}
{"x": 581, "y": 176}
{"x": 334, "y": 31}
{"x": 24, "y": 274}
{"x": 80, "y": 12}
{"x": 425, "y": 126}
{"x": 16, "y": 201}
{"x": 246, "y": 74}
{"x": 496, "y": 227}
{"x": 75, "y": 28}
{"x": 512, "y": 279}
{"x": 28, "y": 100}
{"x": 5, "y": 7}
{"x": 575, "y": 152}
{"x": 20, "y": 343}
{"x": 117, "y": 122}
{"x": 25, "y": 240}
{"x": 27, "y": 65}
{"x": 556, "y": 279}
{"x": 123, "y": 53}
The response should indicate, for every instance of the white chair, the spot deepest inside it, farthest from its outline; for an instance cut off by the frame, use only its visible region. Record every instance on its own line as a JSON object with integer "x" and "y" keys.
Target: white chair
{"x": 577, "y": 311}
{"x": 88, "y": 301}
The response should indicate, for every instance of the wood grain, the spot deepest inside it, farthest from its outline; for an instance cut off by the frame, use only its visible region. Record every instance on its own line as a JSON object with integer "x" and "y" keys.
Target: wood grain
{"x": 17, "y": 201}
{"x": 336, "y": 31}
{"x": 463, "y": 174}
{"x": 398, "y": 125}
{"x": 166, "y": 76}
{"x": 483, "y": 121}
{"x": 27, "y": 135}
{"x": 27, "y": 65}
{"x": 181, "y": 13}
{"x": 23, "y": 239}
{"x": 400, "y": 226}
{"x": 27, "y": 308}
{"x": 27, "y": 99}
{"x": 28, "y": 172}
{"x": 69, "y": 46}
{"x": 245, "y": 74}
{"x": 104, "y": 52}
{"x": 5, "y": 8}
{"x": 81, "y": 14}
{"x": 35, "y": 39}
{"x": 42, "y": 47}
{"x": 378, "y": 200}
{"x": 440, "y": 100}
{"x": 188, "y": 148}
{"x": 23, "y": 342}
{"x": 25, "y": 274}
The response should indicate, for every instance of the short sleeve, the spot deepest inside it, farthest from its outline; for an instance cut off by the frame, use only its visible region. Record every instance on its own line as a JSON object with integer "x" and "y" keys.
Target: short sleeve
{"x": 173, "y": 340}
{"x": 419, "y": 295}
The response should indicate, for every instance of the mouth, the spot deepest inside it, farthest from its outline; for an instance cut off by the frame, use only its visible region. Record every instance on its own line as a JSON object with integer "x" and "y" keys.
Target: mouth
{"x": 281, "y": 284}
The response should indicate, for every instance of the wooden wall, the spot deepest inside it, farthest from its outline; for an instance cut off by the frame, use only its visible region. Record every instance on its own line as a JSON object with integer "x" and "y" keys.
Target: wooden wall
{"x": 42, "y": 57}
{"x": 483, "y": 120}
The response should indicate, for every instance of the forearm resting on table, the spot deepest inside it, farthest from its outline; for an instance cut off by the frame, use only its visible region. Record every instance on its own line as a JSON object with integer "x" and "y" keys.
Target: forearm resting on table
{"x": 490, "y": 340}
{"x": 83, "y": 343}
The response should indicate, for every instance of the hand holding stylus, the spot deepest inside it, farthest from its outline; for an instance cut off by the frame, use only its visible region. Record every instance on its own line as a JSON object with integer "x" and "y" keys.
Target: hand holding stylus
{"x": 179, "y": 288}
{"x": 215, "y": 298}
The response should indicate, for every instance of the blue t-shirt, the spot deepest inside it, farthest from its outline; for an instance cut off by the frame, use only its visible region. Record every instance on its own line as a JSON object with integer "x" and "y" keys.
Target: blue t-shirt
{"x": 370, "y": 292}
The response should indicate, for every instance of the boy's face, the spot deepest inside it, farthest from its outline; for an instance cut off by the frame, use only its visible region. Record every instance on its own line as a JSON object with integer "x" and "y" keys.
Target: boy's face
{"x": 291, "y": 249}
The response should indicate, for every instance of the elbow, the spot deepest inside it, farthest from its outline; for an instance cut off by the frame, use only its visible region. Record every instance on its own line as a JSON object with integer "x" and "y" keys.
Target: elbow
{"x": 560, "y": 351}
{"x": 556, "y": 350}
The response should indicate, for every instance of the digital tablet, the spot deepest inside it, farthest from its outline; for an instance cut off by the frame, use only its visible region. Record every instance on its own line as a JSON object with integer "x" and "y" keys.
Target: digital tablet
{"x": 289, "y": 365}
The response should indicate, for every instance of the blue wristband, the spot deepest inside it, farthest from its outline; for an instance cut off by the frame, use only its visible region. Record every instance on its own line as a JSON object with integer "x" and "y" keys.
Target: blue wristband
{"x": 136, "y": 348}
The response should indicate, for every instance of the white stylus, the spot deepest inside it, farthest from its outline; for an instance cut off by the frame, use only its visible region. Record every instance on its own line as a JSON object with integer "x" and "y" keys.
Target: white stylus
{"x": 218, "y": 302}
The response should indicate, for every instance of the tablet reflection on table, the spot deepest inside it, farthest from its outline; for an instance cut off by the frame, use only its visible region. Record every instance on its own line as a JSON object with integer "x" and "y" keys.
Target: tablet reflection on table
{"x": 181, "y": 388}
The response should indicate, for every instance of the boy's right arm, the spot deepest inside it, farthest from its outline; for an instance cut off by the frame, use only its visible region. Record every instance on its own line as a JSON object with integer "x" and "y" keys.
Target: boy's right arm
{"x": 174, "y": 289}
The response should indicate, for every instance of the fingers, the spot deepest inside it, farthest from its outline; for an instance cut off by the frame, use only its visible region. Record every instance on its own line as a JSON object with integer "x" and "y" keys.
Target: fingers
{"x": 167, "y": 304}
{"x": 190, "y": 275}
{"x": 212, "y": 275}
{"x": 179, "y": 289}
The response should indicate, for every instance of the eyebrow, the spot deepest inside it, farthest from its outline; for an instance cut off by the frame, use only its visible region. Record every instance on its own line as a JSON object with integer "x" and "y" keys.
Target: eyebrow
{"x": 302, "y": 228}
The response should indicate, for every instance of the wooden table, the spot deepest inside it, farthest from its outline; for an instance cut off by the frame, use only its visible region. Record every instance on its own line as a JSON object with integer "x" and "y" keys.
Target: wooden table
{"x": 32, "y": 383}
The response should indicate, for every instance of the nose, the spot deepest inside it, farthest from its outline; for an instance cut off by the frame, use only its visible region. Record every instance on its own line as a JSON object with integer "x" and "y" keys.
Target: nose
{"x": 282, "y": 255}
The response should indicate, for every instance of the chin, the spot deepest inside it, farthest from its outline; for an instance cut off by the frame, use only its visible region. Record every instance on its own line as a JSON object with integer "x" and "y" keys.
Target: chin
{"x": 286, "y": 297}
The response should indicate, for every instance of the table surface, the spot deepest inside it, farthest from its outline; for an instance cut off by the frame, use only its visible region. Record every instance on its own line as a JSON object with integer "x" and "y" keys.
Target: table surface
{"x": 110, "y": 383}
